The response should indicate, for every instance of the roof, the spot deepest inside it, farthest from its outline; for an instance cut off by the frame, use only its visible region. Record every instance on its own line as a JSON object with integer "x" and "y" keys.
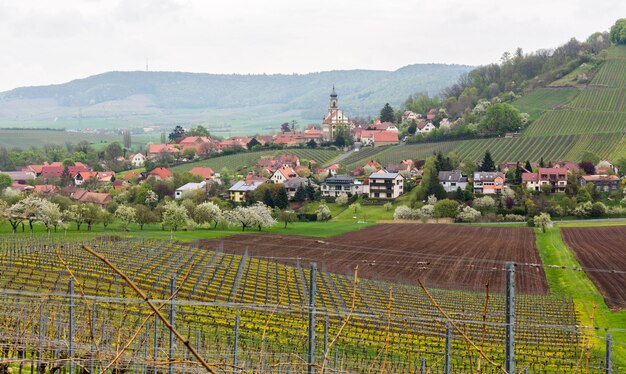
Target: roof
{"x": 530, "y": 177}
{"x": 91, "y": 197}
{"x": 452, "y": 176}
{"x": 206, "y": 173}
{"x": 57, "y": 171}
{"x": 161, "y": 172}
{"x": 192, "y": 186}
{"x": 597, "y": 178}
{"x": 339, "y": 179}
{"x": 158, "y": 148}
{"x": 245, "y": 186}
{"x": 297, "y": 182}
{"x": 552, "y": 171}
{"x": 288, "y": 173}
{"x": 487, "y": 176}
{"x": 384, "y": 175}
{"x": 45, "y": 188}
{"x": 385, "y": 136}
{"x": 19, "y": 175}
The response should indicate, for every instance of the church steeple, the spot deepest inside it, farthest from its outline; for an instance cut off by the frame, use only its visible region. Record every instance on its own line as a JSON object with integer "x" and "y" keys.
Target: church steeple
{"x": 333, "y": 99}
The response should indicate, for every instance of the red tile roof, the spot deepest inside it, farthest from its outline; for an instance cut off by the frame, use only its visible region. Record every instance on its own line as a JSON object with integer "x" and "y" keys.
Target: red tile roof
{"x": 162, "y": 173}
{"x": 385, "y": 136}
{"x": 206, "y": 173}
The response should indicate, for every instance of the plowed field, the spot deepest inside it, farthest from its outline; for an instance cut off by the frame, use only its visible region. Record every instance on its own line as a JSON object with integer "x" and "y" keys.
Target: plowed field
{"x": 602, "y": 252}
{"x": 443, "y": 256}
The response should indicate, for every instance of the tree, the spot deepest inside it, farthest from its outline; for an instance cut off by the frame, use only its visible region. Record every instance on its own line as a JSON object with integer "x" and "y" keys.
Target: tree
{"x": 387, "y": 114}
{"x": 113, "y": 151}
{"x": 587, "y": 167}
{"x": 542, "y": 164}
{"x": 500, "y": 118}
{"x": 430, "y": 182}
{"x": 404, "y": 212}
{"x": 151, "y": 199}
{"x": 66, "y": 177}
{"x": 528, "y": 166}
{"x": 257, "y": 215}
{"x": 617, "y": 35}
{"x": 446, "y": 208}
{"x": 174, "y": 215}
{"x": 267, "y": 198}
{"x": 412, "y": 127}
{"x": 207, "y": 212}
{"x": 356, "y": 207}
{"x": 5, "y": 181}
{"x": 28, "y": 209}
{"x": 342, "y": 199}
{"x": 176, "y": 134}
{"x": 311, "y": 143}
{"x": 126, "y": 214}
{"x": 282, "y": 200}
{"x": 127, "y": 139}
{"x": 542, "y": 220}
{"x": 468, "y": 214}
{"x": 252, "y": 143}
{"x": 590, "y": 157}
{"x": 287, "y": 217}
{"x": 388, "y": 206}
{"x": 50, "y": 215}
{"x": 300, "y": 194}
{"x": 284, "y": 127}
{"x": 144, "y": 215}
{"x": 488, "y": 164}
{"x": 322, "y": 212}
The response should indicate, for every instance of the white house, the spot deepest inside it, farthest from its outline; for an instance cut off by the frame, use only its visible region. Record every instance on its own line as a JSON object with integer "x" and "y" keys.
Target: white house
{"x": 384, "y": 185}
{"x": 137, "y": 160}
{"x": 180, "y": 191}
{"x": 340, "y": 184}
{"x": 425, "y": 127}
{"x": 452, "y": 180}
{"x": 283, "y": 174}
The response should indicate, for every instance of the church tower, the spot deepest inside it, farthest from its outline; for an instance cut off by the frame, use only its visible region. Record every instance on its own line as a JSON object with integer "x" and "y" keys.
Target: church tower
{"x": 333, "y": 118}
{"x": 333, "y": 99}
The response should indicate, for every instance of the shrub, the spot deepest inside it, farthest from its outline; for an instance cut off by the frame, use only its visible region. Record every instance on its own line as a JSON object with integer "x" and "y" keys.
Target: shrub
{"x": 597, "y": 209}
{"x": 514, "y": 218}
{"x": 446, "y": 208}
{"x": 468, "y": 214}
{"x": 404, "y": 212}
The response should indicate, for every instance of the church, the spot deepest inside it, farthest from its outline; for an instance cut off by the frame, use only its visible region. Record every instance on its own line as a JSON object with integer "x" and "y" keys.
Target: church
{"x": 334, "y": 118}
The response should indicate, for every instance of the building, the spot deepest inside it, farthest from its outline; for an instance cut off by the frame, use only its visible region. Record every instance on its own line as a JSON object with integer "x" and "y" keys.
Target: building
{"x": 154, "y": 150}
{"x": 283, "y": 174}
{"x": 384, "y": 185}
{"x": 293, "y": 184}
{"x": 335, "y": 117}
{"x": 452, "y": 180}
{"x": 20, "y": 177}
{"x": 100, "y": 176}
{"x": 180, "y": 191}
{"x": 206, "y": 173}
{"x": 555, "y": 178}
{"x": 379, "y": 138}
{"x": 339, "y": 184}
{"x": 424, "y": 127}
{"x": 46, "y": 189}
{"x": 83, "y": 196}
{"x": 603, "y": 183}
{"x": 161, "y": 173}
{"x": 488, "y": 182}
{"x": 137, "y": 160}
{"x": 239, "y": 191}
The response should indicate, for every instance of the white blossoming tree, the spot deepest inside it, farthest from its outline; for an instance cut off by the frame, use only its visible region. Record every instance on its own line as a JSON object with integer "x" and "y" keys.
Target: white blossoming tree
{"x": 126, "y": 214}
{"x": 207, "y": 212}
{"x": 174, "y": 215}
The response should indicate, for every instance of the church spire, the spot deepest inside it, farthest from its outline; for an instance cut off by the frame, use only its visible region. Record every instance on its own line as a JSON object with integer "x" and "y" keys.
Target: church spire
{"x": 333, "y": 94}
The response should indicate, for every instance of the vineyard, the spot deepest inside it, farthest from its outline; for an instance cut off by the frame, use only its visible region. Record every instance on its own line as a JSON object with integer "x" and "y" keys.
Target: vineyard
{"x": 246, "y": 313}
{"x": 601, "y": 248}
{"x": 242, "y": 161}
{"x": 612, "y": 74}
{"x": 563, "y": 122}
{"x": 542, "y": 99}
{"x": 601, "y": 99}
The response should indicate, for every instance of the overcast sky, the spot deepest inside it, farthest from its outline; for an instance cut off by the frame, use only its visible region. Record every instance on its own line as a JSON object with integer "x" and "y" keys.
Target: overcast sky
{"x": 46, "y": 42}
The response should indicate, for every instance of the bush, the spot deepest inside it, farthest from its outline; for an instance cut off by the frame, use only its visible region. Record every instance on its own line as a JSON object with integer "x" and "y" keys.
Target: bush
{"x": 404, "y": 212}
{"x": 514, "y": 218}
{"x": 307, "y": 217}
{"x": 446, "y": 208}
{"x": 468, "y": 214}
{"x": 530, "y": 222}
{"x": 598, "y": 210}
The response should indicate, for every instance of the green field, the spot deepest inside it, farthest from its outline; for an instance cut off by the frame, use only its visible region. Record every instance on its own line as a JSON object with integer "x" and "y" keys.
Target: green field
{"x": 601, "y": 99}
{"x": 23, "y": 139}
{"x": 243, "y": 161}
{"x": 566, "y": 122}
{"x": 542, "y": 99}
{"x": 612, "y": 74}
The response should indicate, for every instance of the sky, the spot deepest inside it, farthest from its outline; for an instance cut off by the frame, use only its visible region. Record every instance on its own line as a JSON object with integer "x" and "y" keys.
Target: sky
{"x": 48, "y": 42}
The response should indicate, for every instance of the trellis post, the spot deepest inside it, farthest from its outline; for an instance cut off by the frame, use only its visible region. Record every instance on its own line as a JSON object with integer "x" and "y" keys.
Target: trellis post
{"x": 312, "y": 296}
{"x": 236, "y": 342}
{"x": 609, "y": 354}
{"x": 72, "y": 327}
{"x": 172, "y": 322}
{"x": 448, "y": 347}
{"x": 509, "y": 349}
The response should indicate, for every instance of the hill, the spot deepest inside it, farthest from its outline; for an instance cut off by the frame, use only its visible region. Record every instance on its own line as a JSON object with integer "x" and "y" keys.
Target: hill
{"x": 237, "y": 103}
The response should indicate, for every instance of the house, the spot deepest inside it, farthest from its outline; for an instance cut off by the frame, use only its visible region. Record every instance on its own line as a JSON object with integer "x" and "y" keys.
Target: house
{"x": 20, "y": 187}
{"x": 235, "y": 142}
{"x": 373, "y": 164}
{"x": 154, "y": 150}
{"x": 571, "y": 167}
{"x": 46, "y": 189}
{"x": 288, "y": 161}
{"x": 50, "y": 171}
{"x": 606, "y": 167}
{"x": 378, "y": 138}
{"x": 404, "y": 165}
{"x": 604, "y": 183}
{"x": 137, "y": 160}
{"x": 239, "y": 191}
{"x": 84, "y": 196}
{"x": 161, "y": 173}
{"x": 206, "y": 173}
{"x": 20, "y": 176}
{"x": 332, "y": 170}
{"x": 555, "y": 178}
{"x": 293, "y": 184}
{"x": 339, "y": 184}
{"x": 180, "y": 191}
{"x": 409, "y": 115}
{"x": 488, "y": 182}
{"x": 382, "y": 126}
{"x": 425, "y": 127}
{"x": 314, "y": 134}
{"x": 283, "y": 174}
{"x": 384, "y": 185}
{"x": 452, "y": 180}
{"x": 432, "y": 114}
{"x": 100, "y": 176}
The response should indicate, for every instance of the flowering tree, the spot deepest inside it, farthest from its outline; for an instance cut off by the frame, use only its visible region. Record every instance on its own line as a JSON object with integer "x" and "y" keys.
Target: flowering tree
{"x": 404, "y": 212}
{"x": 207, "y": 212}
{"x": 468, "y": 214}
{"x": 28, "y": 209}
{"x": 126, "y": 214}
{"x": 483, "y": 203}
{"x": 542, "y": 220}
{"x": 257, "y": 215}
{"x": 342, "y": 199}
{"x": 174, "y": 215}
{"x": 50, "y": 215}
{"x": 323, "y": 213}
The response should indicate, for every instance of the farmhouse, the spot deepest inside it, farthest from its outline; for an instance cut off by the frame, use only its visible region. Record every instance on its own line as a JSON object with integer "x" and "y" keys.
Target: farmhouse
{"x": 339, "y": 184}
{"x": 605, "y": 183}
{"x": 488, "y": 182}
{"x": 180, "y": 191}
{"x": 452, "y": 180}
{"x": 46, "y": 190}
{"x": 384, "y": 185}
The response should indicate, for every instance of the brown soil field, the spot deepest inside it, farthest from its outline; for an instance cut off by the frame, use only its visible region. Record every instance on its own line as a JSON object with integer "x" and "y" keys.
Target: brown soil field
{"x": 443, "y": 256}
{"x": 601, "y": 251}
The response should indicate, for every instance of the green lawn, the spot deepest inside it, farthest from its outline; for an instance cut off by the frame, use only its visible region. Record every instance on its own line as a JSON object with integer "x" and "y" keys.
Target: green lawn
{"x": 576, "y": 284}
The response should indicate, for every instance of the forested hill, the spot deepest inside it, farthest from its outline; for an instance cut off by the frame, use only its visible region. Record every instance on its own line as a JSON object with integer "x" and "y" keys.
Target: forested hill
{"x": 124, "y": 94}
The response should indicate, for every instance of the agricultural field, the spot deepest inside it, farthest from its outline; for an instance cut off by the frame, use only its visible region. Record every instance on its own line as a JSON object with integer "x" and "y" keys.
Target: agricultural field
{"x": 391, "y": 326}
{"x": 362, "y": 156}
{"x": 611, "y": 74}
{"x": 24, "y": 139}
{"x": 601, "y": 248}
{"x": 601, "y": 99}
{"x": 444, "y": 256}
{"x": 566, "y": 122}
{"x": 542, "y": 99}
{"x": 242, "y": 161}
